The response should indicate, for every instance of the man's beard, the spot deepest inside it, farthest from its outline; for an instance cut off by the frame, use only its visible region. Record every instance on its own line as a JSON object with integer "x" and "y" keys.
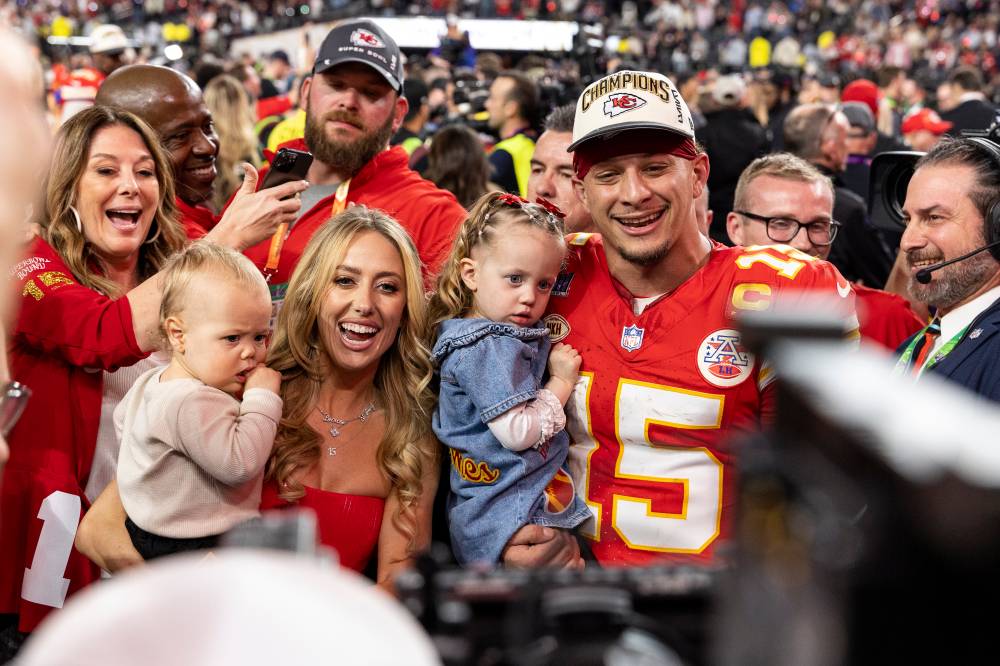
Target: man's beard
{"x": 345, "y": 157}
{"x": 645, "y": 256}
{"x": 649, "y": 257}
{"x": 954, "y": 283}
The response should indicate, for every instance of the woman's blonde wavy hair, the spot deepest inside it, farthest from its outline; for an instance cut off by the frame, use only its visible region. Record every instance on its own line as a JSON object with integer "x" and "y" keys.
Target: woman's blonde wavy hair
{"x": 407, "y": 450}
{"x": 453, "y": 298}
{"x": 232, "y": 113}
{"x": 57, "y": 222}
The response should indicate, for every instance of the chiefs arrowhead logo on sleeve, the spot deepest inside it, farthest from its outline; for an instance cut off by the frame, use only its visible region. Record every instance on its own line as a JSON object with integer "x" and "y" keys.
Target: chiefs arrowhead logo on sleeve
{"x": 361, "y": 37}
{"x": 619, "y": 103}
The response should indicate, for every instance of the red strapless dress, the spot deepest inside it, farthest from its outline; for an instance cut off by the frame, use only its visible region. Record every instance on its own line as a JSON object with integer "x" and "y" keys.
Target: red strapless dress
{"x": 349, "y": 524}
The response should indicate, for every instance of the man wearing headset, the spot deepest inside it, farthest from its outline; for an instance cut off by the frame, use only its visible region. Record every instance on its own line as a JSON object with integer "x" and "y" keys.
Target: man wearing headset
{"x": 952, "y": 209}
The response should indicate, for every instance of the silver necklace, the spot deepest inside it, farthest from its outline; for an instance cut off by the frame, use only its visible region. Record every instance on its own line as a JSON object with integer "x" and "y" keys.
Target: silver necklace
{"x": 336, "y": 424}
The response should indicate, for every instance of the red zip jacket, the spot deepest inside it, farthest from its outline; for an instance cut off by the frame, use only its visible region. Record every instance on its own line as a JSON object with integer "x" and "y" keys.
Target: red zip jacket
{"x": 65, "y": 335}
{"x": 429, "y": 214}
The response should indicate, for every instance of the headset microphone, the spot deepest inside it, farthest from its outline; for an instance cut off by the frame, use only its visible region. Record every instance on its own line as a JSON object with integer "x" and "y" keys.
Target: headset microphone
{"x": 924, "y": 274}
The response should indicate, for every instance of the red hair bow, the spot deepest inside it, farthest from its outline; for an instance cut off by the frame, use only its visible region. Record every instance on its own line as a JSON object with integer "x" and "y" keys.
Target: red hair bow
{"x": 511, "y": 199}
{"x": 550, "y": 207}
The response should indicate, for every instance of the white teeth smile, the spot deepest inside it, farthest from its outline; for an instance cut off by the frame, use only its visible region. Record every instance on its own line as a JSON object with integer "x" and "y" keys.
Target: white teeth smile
{"x": 358, "y": 328}
{"x": 638, "y": 221}
{"x": 125, "y": 217}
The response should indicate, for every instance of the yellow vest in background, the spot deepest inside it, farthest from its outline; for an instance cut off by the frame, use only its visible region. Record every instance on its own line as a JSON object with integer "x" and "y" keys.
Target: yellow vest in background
{"x": 760, "y": 52}
{"x": 521, "y": 148}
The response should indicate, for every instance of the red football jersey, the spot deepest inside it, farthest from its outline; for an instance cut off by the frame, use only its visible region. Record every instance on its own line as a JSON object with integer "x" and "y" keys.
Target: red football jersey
{"x": 661, "y": 394}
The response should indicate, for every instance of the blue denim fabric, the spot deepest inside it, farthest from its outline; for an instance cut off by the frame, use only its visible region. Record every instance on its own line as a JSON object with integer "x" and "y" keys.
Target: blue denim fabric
{"x": 486, "y": 369}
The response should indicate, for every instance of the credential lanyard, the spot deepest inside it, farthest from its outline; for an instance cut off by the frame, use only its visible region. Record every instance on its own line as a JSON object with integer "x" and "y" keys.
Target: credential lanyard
{"x": 907, "y": 356}
{"x": 279, "y": 237}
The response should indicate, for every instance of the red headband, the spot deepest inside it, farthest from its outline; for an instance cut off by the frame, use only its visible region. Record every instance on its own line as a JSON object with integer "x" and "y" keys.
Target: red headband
{"x": 635, "y": 142}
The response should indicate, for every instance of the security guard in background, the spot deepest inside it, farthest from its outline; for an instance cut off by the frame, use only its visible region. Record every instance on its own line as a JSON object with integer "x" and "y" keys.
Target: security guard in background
{"x": 513, "y": 105}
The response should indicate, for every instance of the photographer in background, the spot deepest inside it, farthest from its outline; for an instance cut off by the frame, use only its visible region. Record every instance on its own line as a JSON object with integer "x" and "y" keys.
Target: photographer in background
{"x": 952, "y": 208}
{"x": 818, "y": 134}
{"x": 861, "y": 139}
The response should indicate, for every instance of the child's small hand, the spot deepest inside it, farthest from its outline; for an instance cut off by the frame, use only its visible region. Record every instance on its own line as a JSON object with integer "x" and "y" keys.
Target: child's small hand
{"x": 265, "y": 378}
{"x": 564, "y": 363}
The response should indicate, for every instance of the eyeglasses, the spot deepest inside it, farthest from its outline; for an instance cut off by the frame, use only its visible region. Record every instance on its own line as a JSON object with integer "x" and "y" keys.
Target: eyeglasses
{"x": 784, "y": 229}
{"x": 12, "y": 403}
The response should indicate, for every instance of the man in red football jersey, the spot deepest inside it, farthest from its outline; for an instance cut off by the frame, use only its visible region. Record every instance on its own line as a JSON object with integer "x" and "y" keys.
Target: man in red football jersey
{"x": 650, "y": 305}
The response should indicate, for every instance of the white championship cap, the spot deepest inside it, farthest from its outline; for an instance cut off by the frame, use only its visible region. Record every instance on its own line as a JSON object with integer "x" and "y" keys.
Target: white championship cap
{"x": 630, "y": 100}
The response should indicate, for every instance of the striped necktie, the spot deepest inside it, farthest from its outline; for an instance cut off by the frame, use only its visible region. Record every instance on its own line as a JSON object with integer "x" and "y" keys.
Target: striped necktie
{"x": 931, "y": 333}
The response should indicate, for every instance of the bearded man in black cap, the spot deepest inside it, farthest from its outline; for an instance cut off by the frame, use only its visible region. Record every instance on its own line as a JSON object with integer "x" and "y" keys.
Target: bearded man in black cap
{"x": 354, "y": 104}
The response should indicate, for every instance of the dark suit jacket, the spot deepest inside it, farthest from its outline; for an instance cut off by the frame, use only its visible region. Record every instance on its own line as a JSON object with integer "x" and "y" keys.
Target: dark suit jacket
{"x": 859, "y": 252}
{"x": 975, "y": 362}
{"x": 970, "y": 114}
{"x": 732, "y": 138}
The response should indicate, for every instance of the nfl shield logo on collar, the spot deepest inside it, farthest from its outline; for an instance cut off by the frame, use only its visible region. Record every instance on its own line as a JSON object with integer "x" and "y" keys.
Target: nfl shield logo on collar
{"x": 561, "y": 286}
{"x": 632, "y": 338}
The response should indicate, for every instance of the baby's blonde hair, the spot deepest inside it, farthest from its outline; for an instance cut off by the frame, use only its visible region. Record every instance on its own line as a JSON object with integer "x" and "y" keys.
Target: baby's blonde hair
{"x": 200, "y": 258}
{"x": 452, "y": 298}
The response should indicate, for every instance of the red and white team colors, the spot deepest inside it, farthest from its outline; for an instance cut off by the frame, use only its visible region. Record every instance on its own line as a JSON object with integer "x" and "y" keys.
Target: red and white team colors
{"x": 662, "y": 393}
{"x": 66, "y": 335}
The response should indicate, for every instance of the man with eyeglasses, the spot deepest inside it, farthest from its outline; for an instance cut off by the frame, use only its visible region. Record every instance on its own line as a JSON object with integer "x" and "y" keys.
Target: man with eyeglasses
{"x": 782, "y": 199}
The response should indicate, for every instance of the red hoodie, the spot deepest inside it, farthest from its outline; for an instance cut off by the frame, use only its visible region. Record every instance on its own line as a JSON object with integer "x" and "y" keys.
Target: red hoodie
{"x": 432, "y": 216}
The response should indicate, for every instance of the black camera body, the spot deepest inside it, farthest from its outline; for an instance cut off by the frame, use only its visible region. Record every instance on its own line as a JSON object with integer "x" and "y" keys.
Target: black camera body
{"x": 890, "y": 176}
{"x": 891, "y": 173}
{"x": 597, "y": 616}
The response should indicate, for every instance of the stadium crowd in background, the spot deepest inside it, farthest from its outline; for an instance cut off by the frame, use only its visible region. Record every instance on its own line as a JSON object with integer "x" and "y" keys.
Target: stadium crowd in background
{"x": 758, "y": 128}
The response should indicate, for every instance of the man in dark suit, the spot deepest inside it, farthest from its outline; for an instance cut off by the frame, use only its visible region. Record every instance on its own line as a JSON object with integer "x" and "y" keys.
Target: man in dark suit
{"x": 973, "y": 110}
{"x": 732, "y": 138}
{"x": 818, "y": 134}
{"x": 948, "y": 211}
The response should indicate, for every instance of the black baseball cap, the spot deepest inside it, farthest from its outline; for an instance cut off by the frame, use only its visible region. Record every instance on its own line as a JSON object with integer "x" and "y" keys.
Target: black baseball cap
{"x": 365, "y": 42}
{"x": 859, "y": 115}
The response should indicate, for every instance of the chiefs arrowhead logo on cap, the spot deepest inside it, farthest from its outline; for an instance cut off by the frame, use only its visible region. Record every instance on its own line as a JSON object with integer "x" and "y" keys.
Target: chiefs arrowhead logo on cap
{"x": 362, "y": 37}
{"x": 619, "y": 103}
{"x": 651, "y": 100}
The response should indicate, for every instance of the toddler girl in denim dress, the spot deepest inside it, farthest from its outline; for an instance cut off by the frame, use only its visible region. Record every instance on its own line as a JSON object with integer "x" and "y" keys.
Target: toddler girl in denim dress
{"x": 501, "y": 419}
